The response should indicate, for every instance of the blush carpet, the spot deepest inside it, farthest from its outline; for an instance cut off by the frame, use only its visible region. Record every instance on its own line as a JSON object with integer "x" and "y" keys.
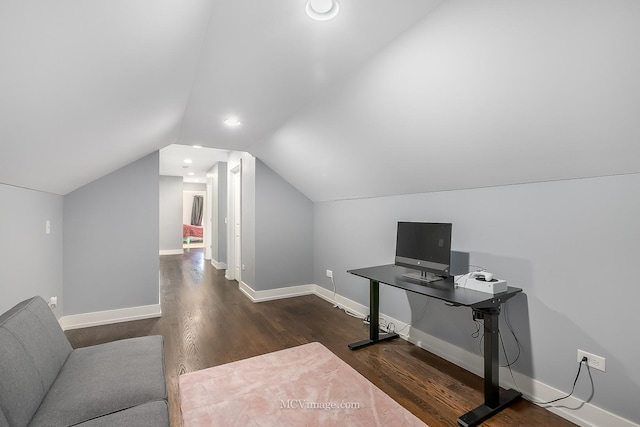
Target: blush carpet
{"x": 301, "y": 386}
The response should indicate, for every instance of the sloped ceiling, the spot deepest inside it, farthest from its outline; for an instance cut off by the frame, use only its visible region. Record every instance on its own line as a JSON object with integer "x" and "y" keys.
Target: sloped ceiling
{"x": 264, "y": 60}
{"x": 477, "y": 94}
{"x": 390, "y": 97}
{"x": 191, "y": 163}
{"x": 87, "y": 87}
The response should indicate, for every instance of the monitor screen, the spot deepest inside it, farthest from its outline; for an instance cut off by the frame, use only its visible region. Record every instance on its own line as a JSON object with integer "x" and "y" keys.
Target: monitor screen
{"x": 424, "y": 246}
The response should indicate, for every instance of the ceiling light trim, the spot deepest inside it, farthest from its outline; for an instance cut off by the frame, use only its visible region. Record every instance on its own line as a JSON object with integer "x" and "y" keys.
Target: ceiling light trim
{"x": 232, "y": 121}
{"x": 318, "y": 10}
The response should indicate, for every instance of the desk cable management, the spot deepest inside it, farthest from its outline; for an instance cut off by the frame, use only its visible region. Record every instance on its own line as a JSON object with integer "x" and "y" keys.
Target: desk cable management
{"x": 508, "y": 365}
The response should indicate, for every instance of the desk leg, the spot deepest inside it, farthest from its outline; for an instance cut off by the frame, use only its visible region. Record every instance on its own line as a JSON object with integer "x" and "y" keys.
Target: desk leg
{"x": 495, "y": 399}
{"x": 374, "y": 319}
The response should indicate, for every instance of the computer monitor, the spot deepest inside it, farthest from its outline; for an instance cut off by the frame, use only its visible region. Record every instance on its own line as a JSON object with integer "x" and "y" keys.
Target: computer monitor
{"x": 424, "y": 246}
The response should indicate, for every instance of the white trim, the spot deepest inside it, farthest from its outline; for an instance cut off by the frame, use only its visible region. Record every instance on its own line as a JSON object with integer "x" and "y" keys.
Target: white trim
{"x": 171, "y": 251}
{"x": 218, "y": 265}
{"x": 359, "y": 309}
{"x": 107, "y": 317}
{"x": 234, "y": 214}
{"x": 272, "y": 294}
{"x": 584, "y": 414}
{"x": 313, "y": 289}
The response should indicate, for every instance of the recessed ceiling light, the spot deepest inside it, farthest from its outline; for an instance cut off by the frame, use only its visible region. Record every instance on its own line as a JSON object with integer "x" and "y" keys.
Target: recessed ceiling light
{"x": 197, "y": 146}
{"x": 322, "y": 10}
{"x": 232, "y": 121}
{"x": 188, "y": 161}
{"x": 191, "y": 173}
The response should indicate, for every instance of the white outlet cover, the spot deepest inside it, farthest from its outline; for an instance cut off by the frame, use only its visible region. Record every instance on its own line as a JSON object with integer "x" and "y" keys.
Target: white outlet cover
{"x": 594, "y": 361}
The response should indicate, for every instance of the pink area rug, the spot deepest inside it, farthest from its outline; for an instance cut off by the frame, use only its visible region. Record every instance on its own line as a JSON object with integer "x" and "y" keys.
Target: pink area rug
{"x": 301, "y": 386}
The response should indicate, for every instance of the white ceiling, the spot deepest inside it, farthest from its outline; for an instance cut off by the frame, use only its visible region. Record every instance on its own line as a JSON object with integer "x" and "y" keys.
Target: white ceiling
{"x": 264, "y": 60}
{"x": 191, "y": 163}
{"x": 90, "y": 86}
{"x": 477, "y": 94}
{"x": 390, "y": 97}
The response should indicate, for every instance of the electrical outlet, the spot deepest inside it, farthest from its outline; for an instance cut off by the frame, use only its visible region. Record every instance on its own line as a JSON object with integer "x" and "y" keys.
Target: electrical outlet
{"x": 330, "y": 274}
{"x": 596, "y": 362}
{"x": 53, "y": 302}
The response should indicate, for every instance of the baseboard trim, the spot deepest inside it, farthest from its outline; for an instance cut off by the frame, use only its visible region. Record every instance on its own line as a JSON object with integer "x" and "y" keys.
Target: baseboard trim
{"x": 107, "y": 317}
{"x": 361, "y": 310}
{"x": 273, "y": 294}
{"x": 218, "y": 265}
{"x": 573, "y": 409}
{"x": 171, "y": 251}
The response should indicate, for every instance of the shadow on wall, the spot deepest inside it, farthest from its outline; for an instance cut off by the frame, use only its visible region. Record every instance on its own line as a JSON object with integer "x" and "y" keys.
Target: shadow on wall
{"x": 548, "y": 354}
{"x": 456, "y": 326}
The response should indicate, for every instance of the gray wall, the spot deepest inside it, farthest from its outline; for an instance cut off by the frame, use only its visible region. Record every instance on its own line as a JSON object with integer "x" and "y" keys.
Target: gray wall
{"x": 30, "y": 260}
{"x": 572, "y": 246}
{"x": 170, "y": 212}
{"x": 219, "y": 212}
{"x": 277, "y": 227}
{"x": 284, "y": 232}
{"x": 194, "y": 186}
{"x": 111, "y": 240}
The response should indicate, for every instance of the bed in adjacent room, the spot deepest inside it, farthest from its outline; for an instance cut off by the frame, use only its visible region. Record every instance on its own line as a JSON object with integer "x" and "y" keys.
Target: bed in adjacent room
{"x": 191, "y": 233}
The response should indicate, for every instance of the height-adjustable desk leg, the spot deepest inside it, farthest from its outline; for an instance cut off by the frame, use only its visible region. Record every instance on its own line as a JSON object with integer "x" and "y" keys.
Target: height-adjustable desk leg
{"x": 495, "y": 399}
{"x": 374, "y": 319}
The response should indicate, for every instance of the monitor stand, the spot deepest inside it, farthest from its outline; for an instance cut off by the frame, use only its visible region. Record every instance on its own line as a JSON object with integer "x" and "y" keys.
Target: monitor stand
{"x": 424, "y": 276}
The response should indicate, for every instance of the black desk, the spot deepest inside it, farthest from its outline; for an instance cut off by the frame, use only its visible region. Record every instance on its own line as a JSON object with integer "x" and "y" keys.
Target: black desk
{"x": 485, "y": 306}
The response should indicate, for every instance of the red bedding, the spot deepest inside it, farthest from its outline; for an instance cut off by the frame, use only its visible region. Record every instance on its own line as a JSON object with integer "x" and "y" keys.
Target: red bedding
{"x": 191, "y": 230}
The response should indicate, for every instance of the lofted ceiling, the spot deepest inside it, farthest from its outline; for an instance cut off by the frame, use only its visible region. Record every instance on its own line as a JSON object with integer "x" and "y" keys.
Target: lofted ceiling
{"x": 88, "y": 87}
{"x": 189, "y": 162}
{"x": 477, "y": 94}
{"x": 390, "y": 97}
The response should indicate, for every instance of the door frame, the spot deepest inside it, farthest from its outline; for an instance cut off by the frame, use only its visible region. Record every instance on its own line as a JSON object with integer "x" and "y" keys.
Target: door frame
{"x": 234, "y": 206}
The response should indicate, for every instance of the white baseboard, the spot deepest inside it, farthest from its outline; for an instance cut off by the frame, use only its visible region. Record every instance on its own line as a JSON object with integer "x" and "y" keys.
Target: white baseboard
{"x": 107, "y": 317}
{"x": 171, "y": 251}
{"x": 218, "y": 265}
{"x": 272, "y": 294}
{"x": 573, "y": 409}
{"x": 361, "y": 310}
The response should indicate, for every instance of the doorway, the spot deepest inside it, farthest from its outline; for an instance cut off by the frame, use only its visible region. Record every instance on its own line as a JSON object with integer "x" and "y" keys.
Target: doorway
{"x": 193, "y": 228}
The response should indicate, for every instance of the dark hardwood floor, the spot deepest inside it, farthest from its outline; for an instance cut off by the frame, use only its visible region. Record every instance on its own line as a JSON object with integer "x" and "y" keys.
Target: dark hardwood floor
{"x": 208, "y": 321}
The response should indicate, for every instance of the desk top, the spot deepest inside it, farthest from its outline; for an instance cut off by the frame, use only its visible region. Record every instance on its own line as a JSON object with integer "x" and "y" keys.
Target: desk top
{"x": 443, "y": 289}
